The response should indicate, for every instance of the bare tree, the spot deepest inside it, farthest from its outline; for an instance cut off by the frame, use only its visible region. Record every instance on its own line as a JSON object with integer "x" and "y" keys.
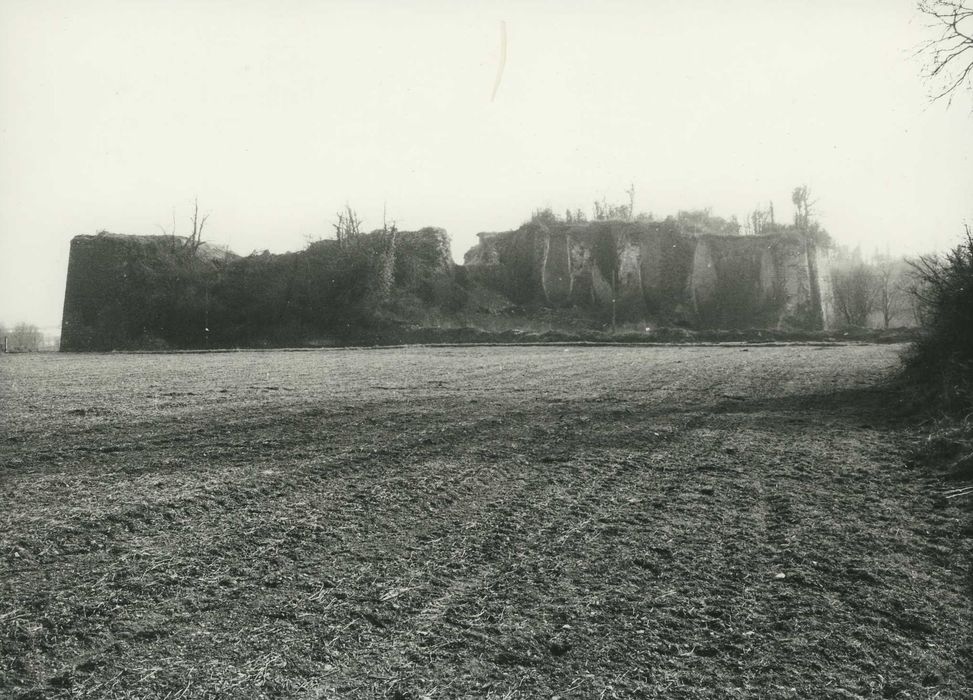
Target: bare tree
{"x": 348, "y": 226}
{"x": 24, "y": 338}
{"x": 855, "y": 293}
{"x": 890, "y": 285}
{"x": 196, "y": 236}
{"x": 950, "y": 53}
{"x": 195, "y": 239}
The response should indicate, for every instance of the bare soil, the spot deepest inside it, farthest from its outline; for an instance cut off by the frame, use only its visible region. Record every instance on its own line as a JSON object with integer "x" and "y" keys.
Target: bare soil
{"x": 573, "y": 522}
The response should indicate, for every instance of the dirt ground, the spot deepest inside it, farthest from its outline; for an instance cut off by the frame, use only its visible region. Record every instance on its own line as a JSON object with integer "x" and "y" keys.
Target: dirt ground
{"x": 533, "y": 522}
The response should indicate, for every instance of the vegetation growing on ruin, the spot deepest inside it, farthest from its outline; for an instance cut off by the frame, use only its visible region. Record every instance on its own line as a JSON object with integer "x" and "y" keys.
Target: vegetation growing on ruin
{"x": 148, "y": 292}
{"x": 170, "y": 295}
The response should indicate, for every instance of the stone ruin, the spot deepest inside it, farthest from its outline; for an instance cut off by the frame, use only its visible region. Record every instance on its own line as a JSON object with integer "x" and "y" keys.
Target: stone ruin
{"x": 122, "y": 291}
{"x": 655, "y": 272}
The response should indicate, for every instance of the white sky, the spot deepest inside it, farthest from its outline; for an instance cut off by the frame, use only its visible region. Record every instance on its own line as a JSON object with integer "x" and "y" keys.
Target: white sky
{"x": 277, "y": 113}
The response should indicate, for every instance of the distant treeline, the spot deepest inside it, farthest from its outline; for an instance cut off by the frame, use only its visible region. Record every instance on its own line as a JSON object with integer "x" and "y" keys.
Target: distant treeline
{"x": 26, "y": 337}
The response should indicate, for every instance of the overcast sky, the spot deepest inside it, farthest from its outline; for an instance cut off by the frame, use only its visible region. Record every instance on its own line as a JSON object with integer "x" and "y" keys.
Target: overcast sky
{"x": 275, "y": 114}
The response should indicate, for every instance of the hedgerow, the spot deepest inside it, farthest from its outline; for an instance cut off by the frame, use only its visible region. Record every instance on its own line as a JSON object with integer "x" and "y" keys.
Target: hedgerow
{"x": 941, "y": 361}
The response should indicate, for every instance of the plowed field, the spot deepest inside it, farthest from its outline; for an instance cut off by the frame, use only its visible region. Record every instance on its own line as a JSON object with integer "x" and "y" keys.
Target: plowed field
{"x": 534, "y": 522}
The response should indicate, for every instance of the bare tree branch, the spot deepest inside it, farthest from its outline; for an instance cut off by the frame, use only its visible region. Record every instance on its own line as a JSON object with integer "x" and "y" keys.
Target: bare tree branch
{"x": 348, "y": 227}
{"x": 196, "y": 237}
{"x": 951, "y": 52}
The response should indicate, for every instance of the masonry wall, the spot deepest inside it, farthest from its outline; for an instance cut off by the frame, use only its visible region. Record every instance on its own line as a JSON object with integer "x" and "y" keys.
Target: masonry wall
{"x": 111, "y": 282}
{"x": 152, "y": 292}
{"x": 137, "y": 292}
{"x": 657, "y": 274}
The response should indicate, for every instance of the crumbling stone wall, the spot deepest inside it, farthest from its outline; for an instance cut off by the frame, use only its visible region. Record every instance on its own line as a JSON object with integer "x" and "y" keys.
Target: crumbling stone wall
{"x": 116, "y": 288}
{"x": 131, "y": 292}
{"x": 153, "y": 292}
{"x": 657, "y": 274}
